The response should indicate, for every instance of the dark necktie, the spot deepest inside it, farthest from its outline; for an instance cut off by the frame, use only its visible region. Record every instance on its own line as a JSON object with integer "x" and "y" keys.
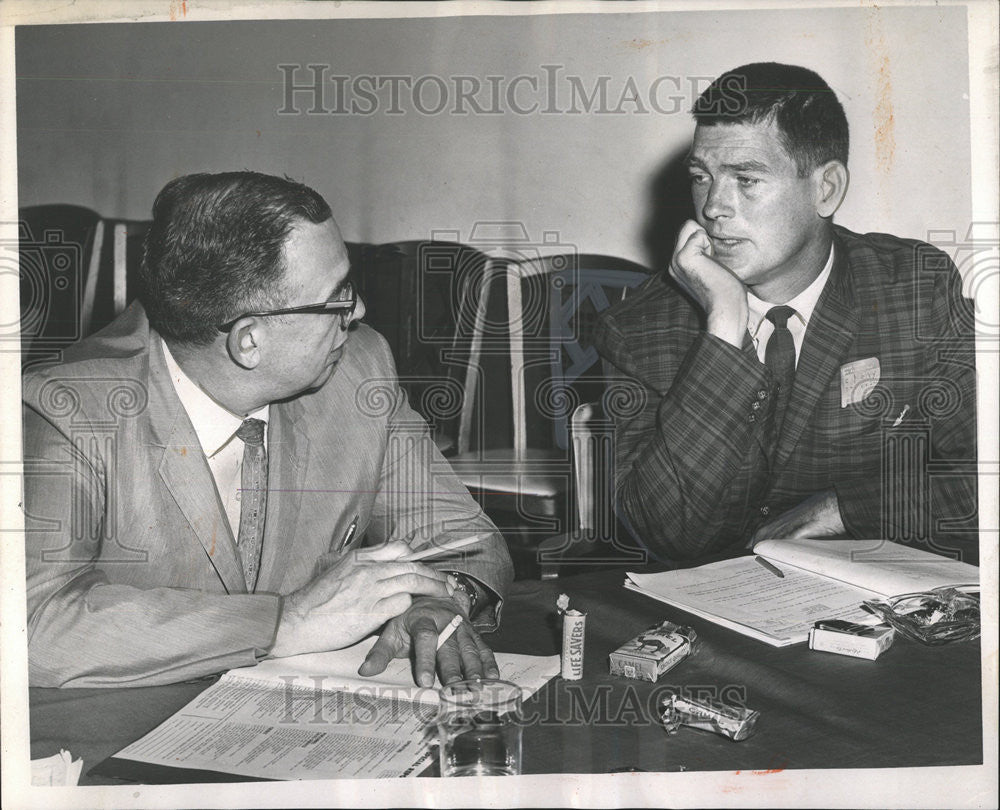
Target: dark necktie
{"x": 779, "y": 356}
{"x": 253, "y": 498}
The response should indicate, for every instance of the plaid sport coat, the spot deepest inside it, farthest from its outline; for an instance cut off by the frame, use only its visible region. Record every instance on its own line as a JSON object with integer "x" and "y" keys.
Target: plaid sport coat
{"x": 883, "y": 410}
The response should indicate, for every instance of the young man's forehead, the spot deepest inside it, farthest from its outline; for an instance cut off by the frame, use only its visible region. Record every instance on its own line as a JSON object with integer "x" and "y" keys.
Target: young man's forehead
{"x": 739, "y": 145}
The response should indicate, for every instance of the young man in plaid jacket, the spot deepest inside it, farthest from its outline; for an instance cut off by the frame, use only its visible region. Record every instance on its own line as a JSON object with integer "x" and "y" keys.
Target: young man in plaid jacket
{"x": 791, "y": 378}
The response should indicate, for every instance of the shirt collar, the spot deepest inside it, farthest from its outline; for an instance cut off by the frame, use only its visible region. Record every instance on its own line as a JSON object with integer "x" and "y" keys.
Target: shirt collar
{"x": 214, "y": 425}
{"x": 804, "y": 303}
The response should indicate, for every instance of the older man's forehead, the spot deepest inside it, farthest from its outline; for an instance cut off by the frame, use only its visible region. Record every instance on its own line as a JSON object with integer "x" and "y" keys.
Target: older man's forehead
{"x": 316, "y": 258}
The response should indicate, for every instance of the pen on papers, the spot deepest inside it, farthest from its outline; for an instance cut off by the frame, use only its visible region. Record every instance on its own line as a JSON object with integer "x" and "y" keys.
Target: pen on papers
{"x": 771, "y": 567}
{"x": 902, "y": 415}
{"x": 449, "y": 631}
{"x": 349, "y": 534}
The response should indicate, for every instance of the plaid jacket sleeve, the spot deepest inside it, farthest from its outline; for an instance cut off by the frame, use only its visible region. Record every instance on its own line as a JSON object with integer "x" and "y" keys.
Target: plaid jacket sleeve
{"x": 691, "y": 413}
{"x": 697, "y": 466}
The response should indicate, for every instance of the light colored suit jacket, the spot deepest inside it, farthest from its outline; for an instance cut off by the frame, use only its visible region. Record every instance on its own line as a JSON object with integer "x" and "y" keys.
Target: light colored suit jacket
{"x": 133, "y": 573}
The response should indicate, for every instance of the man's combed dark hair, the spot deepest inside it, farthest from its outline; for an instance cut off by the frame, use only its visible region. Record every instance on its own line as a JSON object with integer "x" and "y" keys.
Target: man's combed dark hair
{"x": 797, "y": 100}
{"x": 214, "y": 249}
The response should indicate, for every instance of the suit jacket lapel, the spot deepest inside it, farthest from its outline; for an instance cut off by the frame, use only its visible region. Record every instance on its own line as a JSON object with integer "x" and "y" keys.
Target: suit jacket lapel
{"x": 831, "y": 331}
{"x": 287, "y": 453}
{"x": 186, "y": 475}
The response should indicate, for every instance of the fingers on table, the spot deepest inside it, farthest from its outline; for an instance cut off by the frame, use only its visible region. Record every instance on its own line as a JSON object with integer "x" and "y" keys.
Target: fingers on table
{"x": 465, "y": 656}
{"x": 424, "y": 632}
{"x": 384, "y": 650}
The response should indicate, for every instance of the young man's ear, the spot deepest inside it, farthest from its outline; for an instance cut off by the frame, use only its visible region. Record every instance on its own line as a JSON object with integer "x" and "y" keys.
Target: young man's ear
{"x": 832, "y": 180}
{"x": 242, "y": 343}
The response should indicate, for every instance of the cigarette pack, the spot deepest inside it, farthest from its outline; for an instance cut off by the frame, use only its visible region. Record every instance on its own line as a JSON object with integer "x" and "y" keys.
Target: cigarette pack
{"x": 653, "y": 652}
{"x": 847, "y": 638}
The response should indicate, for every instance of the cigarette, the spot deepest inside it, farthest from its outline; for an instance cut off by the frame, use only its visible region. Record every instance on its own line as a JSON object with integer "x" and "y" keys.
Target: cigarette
{"x": 449, "y": 631}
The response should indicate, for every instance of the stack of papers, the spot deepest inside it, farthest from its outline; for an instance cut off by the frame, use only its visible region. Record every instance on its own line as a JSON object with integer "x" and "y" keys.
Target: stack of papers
{"x": 823, "y": 579}
{"x": 312, "y": 717}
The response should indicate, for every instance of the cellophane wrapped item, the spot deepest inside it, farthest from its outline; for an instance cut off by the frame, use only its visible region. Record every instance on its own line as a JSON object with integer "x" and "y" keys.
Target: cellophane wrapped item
{"x": 936, "y": 617}
{"x": 735, "y": 722}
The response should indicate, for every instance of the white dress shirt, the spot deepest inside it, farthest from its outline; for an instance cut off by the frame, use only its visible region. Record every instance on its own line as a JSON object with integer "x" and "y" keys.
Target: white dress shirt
{"x": 804, "y": 303}
{"x": 216, "y": 429}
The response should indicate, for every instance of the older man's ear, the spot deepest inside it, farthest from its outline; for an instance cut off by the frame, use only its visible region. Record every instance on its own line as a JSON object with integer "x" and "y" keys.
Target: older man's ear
{"x": 242, "y": 344}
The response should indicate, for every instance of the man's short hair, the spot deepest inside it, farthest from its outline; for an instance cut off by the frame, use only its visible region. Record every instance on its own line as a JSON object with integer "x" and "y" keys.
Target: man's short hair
{"x": 214, "y": 249}
{"x": 805, "y": 110}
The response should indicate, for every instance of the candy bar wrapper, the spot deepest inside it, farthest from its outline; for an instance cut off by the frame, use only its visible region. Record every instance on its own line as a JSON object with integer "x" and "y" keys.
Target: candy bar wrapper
{"x": 735, "y": 722}
{"x": 653, "y": 652}
{"x": 574, "y": 628}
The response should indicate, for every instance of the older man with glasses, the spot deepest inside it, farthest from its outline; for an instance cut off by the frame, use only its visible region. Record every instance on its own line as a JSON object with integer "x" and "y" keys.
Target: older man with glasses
{"x": 201, "y": 475}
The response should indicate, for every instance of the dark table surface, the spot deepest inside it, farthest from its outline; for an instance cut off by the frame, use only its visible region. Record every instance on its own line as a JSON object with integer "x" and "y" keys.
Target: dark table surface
{"x": 914, "y": 706}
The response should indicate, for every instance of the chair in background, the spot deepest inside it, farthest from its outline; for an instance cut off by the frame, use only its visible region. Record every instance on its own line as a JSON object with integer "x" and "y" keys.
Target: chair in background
{"x": 59, "y": 247}
{"x": 114, "y": 284}
{"x": 595, "y": 540}
{"x": 549, "y": 306}
{"x": 77, "y": 275}
{"x": 415, "y": 294}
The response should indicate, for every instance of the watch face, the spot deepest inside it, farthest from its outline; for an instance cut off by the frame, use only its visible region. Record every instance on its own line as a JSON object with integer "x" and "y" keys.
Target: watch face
{"x": 463, "y": 584}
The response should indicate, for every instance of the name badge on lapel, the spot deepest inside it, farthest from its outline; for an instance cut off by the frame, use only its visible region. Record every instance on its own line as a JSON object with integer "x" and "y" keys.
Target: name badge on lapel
{"x": 857, "y": 380}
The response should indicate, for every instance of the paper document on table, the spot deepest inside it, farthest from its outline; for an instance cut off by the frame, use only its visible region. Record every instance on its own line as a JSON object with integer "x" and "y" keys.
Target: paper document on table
{"x": 338, "y": 669}
{"x": 312, "y": 717}
{"x": 743, "y": 596}
{"x": 888, "y": 569}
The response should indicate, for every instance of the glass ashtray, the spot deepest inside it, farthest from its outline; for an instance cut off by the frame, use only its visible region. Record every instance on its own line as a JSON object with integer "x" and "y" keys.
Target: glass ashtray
{"x": 935, "y": 617}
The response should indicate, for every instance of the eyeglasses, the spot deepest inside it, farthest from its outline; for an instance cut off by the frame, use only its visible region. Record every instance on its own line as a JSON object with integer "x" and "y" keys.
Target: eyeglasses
{"x": 345, "y": 304}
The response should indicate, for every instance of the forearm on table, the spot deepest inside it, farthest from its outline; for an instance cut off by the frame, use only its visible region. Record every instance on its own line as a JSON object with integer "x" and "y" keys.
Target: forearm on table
{"x": 94, "y": 634}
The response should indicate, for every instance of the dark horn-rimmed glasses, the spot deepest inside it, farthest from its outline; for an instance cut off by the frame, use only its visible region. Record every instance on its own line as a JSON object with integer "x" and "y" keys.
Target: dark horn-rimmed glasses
{"x": 345, "y": 304}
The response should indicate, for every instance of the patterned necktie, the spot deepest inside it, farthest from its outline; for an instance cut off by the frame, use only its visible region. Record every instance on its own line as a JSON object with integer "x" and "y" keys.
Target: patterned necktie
{"x": 253, "y": 498}
{"x": 779, "y": 356}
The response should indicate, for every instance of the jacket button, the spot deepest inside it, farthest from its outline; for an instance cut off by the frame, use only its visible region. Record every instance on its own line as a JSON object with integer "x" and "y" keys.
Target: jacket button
{"x": 765, "y": 510}
{"x": 762, "y": 394}
{"x": 756, "y": 406}
{"x": 751, "y": 418}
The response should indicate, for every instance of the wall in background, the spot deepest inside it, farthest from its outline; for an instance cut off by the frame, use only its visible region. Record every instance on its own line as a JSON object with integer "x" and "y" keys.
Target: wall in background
{"x": 108, "y": 113}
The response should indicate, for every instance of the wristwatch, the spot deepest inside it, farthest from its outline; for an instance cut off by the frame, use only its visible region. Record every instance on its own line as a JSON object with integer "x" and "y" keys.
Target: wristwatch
{"x": 465, "y": 584}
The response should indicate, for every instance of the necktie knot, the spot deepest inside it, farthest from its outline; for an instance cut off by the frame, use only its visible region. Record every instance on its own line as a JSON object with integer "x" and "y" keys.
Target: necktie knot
{"x": 779, "y": 316}
{"x": 252, "y": 432}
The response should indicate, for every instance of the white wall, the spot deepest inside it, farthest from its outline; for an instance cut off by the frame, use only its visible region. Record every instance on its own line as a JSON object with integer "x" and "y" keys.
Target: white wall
{"x": 108, "y": 113}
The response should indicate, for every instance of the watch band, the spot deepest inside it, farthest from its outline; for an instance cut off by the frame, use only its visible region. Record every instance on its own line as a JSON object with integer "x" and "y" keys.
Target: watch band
{"x": 465, "y": 584}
